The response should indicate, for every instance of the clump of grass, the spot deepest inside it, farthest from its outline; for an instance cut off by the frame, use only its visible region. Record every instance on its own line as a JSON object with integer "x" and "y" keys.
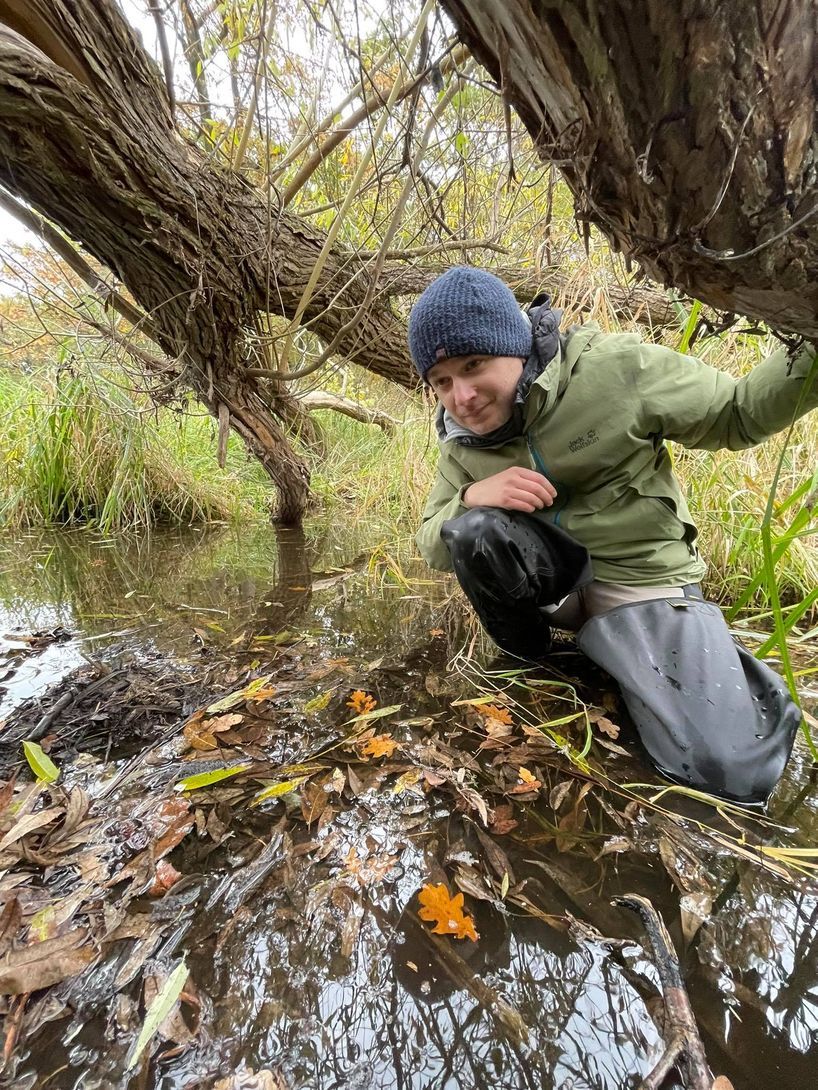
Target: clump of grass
{"x": 380, "y": 477}
{"x": 73, "y": 450}
{"x": 729, "y": 494}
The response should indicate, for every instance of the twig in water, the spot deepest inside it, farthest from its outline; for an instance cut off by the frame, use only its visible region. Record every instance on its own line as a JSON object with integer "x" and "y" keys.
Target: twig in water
{"x": 683, "y": 1044}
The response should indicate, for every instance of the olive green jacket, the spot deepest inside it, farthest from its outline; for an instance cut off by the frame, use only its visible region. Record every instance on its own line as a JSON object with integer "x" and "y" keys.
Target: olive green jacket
{"x": 595, "y": 423}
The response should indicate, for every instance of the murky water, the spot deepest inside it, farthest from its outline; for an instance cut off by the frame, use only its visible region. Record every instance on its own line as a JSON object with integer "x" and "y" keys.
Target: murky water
{"x": 309, "y": 962}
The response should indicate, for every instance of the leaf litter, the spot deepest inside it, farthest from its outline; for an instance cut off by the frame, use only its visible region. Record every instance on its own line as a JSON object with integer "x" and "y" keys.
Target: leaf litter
{"x": 501, "y": 768}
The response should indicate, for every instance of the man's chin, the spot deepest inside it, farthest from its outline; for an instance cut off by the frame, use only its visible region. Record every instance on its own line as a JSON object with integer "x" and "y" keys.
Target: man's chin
{"x": 480, "y": 423}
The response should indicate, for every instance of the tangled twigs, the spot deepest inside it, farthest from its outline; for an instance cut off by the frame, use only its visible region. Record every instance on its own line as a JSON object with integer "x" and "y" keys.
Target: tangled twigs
{"x": 683, "y": 1045}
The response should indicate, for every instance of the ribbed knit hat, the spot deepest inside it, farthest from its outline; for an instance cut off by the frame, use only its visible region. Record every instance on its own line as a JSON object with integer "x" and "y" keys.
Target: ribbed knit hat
{"x": 466, "y": 311}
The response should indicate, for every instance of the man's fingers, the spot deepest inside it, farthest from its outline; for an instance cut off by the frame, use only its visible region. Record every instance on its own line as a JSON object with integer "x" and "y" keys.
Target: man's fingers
{"x": 530, "y": 476}
{"x": 529, "y": 500}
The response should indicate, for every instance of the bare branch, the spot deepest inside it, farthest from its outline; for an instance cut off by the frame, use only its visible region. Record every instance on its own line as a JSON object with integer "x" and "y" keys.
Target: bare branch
{"x": 372, "y": 105}
{"x": 320, "y": 399}
{"x": 153, "y": 6}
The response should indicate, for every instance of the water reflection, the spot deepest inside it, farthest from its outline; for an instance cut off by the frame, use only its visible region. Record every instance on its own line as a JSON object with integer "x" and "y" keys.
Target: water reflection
{"x": 331, "y": 980}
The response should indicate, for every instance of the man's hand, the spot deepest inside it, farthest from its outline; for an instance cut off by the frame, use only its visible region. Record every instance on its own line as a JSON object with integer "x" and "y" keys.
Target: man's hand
{"x": 515, "y": 489}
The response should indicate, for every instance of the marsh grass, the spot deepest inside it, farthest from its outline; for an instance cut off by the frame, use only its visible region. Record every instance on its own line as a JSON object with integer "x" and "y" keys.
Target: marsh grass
{"x": 74, "y": 451}
{"x": 80, "y": 449}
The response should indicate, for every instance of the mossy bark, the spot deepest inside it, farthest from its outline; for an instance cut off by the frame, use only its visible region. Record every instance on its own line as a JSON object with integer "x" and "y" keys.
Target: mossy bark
{"x": 686, "y": 131}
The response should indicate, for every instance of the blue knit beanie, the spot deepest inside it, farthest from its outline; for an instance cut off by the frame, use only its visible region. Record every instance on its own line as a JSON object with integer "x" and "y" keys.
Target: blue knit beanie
{"x": 466, "y": 311}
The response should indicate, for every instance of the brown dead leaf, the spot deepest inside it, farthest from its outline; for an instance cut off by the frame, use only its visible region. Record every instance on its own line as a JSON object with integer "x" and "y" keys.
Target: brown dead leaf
{"x": 694, "y": 909}
{"x": 248, "y": 1079}
{"x": 314, "y": 801}
{"x": 557, "y": 796}
{"x": 45, "y": 963}
{"x": 722, "y": 1083}
{"x": 29, "y": 823}
{"x": 498, "y": 860}
{"x": 170, "y": 823}
{"x": 166, "y": 876}
{"x": 11, "y": 921}
{"x": 473, "y": 801}
{"x": 503, "y": 821}
{"x": 200, "y": 733}
{"x": 603, "y": 724}
{"x": 570, "y": 826}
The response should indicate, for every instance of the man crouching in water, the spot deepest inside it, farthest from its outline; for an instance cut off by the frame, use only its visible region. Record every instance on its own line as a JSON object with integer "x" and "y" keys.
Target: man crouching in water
{"x": 556, "y": 504}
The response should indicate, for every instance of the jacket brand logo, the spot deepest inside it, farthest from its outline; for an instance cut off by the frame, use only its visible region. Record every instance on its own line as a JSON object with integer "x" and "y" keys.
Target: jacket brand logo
{"x": 587, "y": 440}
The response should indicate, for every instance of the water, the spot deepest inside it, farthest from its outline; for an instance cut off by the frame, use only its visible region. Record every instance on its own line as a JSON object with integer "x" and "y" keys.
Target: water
{"x": 323, "y": 974}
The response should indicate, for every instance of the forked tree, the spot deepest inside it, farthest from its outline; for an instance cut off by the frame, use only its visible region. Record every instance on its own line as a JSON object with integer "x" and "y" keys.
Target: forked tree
{"x": 685, "y": 131}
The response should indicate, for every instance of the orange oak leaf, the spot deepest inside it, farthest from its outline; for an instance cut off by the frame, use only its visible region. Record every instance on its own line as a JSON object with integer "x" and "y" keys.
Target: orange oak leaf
{"x": 381, "y": 745}
{"x": 362, "y": 702}
{"x": 446, "y": 912}
{"x": 492, "y": 712}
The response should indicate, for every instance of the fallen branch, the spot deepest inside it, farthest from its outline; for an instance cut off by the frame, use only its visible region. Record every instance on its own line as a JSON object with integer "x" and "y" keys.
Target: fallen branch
{"x": 319, "y": 399}
{"x": 683, "y": 1043}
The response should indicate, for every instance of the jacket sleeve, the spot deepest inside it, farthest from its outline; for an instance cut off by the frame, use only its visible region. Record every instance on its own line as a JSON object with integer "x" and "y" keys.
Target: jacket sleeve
{"x": 444, "y": 503}
{"x": 688, "y": 401}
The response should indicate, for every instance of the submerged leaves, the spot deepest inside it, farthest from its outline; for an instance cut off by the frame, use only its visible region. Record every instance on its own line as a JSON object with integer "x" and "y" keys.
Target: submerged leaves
{"x": 362, "y": 702}
{"x": 446, "y": 912}
{"x": 381, "y": 745}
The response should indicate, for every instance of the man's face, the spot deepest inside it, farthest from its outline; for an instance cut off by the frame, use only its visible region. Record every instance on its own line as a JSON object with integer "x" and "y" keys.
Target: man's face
{"x": 478, "y": 391}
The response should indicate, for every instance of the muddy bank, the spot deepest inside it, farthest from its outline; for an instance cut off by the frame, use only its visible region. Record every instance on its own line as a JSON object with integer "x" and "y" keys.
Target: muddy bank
{"x": 289, "y": 890}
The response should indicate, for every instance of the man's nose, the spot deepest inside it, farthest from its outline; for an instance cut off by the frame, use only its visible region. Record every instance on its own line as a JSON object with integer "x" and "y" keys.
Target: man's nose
{"x": 463, "y": 391}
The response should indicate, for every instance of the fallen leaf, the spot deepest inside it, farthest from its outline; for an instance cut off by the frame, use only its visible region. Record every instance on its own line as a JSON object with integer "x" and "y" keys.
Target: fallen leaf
{"x": 381, "y": 745}
{"x": 376, "y": 713}
{"x": 361, "y": 702}
{"x": 206, "y": 779}
{"x": 200, "y": 733}
{"x": 558, "y": 793}
{"x": 499, "y": 715}
{"x": 318, "y": 703}
{"x": 446, "y": 912}
{"x": 248, "y": 1079}
{"x": 166, "y": 876}
{"x": 694, "y": 909}
{"x": 45, "y": 963}
{"x": 29, "y": 823}
{"x": 503, "y": 822}
{"x": 158, "y": 1011}
{"x": 607, "y": 727}
{"x": 276, "y": 790}
{"x": 40, "y": 763}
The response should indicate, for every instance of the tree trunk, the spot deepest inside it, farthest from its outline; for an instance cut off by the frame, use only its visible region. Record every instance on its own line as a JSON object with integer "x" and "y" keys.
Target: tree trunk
{"x": 685, "y": 130}
{"x": 88, "y": 139}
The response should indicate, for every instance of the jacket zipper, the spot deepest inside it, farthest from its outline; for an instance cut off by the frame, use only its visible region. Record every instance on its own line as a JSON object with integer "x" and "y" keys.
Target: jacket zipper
{"x": 540, "y": 466}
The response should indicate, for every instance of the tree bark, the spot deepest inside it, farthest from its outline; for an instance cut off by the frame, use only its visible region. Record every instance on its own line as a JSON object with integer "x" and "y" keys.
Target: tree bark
{"x": 685, "y": 130}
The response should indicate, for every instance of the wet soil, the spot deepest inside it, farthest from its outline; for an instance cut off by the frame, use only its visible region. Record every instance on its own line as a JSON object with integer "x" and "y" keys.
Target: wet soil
{"x": 296, "y": 915}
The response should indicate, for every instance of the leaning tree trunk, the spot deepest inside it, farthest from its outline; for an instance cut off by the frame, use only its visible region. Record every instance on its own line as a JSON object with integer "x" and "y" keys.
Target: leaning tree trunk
{"x": 686, "y": 131}
{"x": 88, "y": 139}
